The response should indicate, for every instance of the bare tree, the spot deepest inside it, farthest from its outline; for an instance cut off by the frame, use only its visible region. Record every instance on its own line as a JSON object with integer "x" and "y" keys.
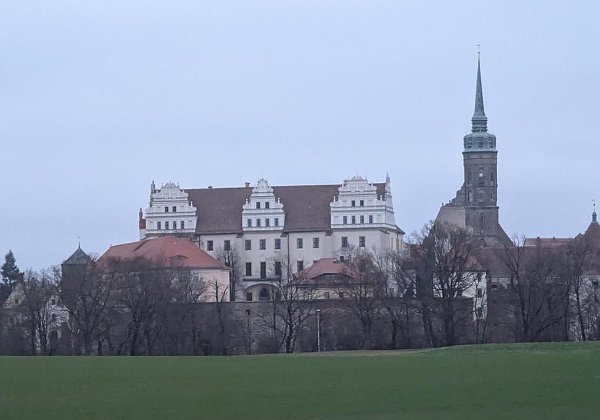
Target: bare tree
{"x": 231, "y": 259}
{"x": 292, "y": 300}
{"x": 86, "y": 293}
{"x": 39, "y": 288}
{"x": 575, "y": 263}
{"x": 536, "y": 288}
{"x": 396, "y": 291}
{"x": 444, "y": 255}
{"x": 358, "y": 291}
{"x": 143, "y": 291}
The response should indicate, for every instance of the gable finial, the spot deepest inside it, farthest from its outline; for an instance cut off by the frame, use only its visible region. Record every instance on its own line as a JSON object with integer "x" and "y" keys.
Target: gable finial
{"x": 594, "y": 216}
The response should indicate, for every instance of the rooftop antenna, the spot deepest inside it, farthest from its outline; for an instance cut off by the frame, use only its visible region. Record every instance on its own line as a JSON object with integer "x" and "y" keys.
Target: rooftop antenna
{"x": 79, "y": 242}
{"x": 594, "y": 217}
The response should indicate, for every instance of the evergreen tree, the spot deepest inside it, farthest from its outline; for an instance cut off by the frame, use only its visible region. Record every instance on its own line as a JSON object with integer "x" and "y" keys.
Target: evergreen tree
{"x": 10, "y": 273}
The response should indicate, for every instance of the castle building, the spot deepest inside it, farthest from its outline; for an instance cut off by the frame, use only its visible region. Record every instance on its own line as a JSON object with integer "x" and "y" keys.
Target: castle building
{"x": 268, "y": 232}
{"x": 475, "y": 206}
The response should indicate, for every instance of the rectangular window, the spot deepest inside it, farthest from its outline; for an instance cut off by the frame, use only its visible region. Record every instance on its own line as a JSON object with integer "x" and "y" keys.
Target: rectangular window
{"x": 267, "y": 222}
{"x": 344, "y": 242}
{"x": 174, "y": 225}
{"x": 479, "y": 292}
{"x": 315, "y": 242}
{"x": 361, "y": 241}
{"x": 158, "y": 225}
{"x": 167, "y": 225}
{"x": 182, "y": 224}
{"x": 262, "y": 244}
{"x": 248, "y": 269}
{"x": 277, "y": 221}
{"x": 267, "y": 204}
{"x": 209, "y": 245}
{"x": 247, "y": 244}
{"x": 257, "y": 222}
{"x": 263, "y": 270}
{"x": 227, "y": 245}
{"x": 174, "y": 209}
{"x": 249, "y": 222}
{"x": 248, "y": 296}
{"x": 362, "y": 203}
{"x": 353, "y": 203}
{"x": 370, "y": 218}
{"x": 166, "y": 209}
{"x": 277, "y": 243}
{"x": 258, "y": 204}
{"x": 353, "y": 220}
{"x": 362, "y": 219}
{"x": 278, "y": 268}
{"x": 345, "y": 220}
{"x": 299, "y": 243}
{"x": 326, "y": 295}
{"x": 300, "y": 265}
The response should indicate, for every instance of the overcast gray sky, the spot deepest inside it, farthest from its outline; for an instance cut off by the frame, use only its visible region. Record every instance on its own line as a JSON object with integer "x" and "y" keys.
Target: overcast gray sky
{"x": 98, "y": 98}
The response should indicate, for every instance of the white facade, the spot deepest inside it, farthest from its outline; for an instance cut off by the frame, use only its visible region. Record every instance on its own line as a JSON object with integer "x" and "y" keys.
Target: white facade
{"x": 170, "y": 212}
{"x": 265, "y": 246}
{"x": 358, "y": 205}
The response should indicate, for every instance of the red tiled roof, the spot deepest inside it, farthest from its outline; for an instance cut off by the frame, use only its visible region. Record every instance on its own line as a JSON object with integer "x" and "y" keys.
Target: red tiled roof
{"x": 165, "y": 252}
{"x": 219, "y": 210}
{"x": 325, "y": 266}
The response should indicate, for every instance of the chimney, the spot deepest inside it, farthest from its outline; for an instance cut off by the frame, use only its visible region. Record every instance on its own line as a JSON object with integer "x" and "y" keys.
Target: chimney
{"x": 247, "y": 184}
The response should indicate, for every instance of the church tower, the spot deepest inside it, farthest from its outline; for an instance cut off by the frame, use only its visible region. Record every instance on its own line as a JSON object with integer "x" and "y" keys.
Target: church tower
{"x": 475, "y": 205}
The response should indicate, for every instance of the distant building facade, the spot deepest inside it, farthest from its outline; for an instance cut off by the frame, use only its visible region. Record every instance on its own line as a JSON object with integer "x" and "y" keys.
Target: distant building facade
{"x": 275, "y": 230}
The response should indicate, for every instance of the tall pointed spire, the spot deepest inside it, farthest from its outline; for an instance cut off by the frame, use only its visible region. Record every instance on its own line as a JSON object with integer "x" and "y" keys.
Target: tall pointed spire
{"x": 479, "y": 120}
{"x": 594, "y": 217}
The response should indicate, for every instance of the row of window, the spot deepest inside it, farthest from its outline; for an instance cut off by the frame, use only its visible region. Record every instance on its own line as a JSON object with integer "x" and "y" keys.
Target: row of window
{"x": 174, "y": 209}
{"x": 266, "y": 205}
{"x": 276, "y": 268}
{"x": 172, "y": 225}
{"x": 361, "y": 203}
{"x": 262, "y": 243}
{"x": 353, "y": 219}
{"x": 258, "y": 222}
{"x": 362, "y": 242}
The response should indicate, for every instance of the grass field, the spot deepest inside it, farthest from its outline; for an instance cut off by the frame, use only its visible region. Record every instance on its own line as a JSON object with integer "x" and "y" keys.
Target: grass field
{"x": 537, "y": 381}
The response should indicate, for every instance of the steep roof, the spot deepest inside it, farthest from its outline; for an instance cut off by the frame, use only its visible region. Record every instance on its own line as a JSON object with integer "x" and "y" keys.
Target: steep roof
{"x": 219, "y": 210}
{"x": 77, "y": 258}
{"x": 164, "y": 252}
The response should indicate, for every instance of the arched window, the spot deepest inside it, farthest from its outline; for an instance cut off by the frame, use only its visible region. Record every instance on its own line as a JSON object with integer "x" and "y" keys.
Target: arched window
{"x": 263, "y": 296}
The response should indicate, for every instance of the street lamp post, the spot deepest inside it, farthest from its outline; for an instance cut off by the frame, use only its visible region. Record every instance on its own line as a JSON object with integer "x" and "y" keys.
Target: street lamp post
{"x": 318, "y": 330}
{"x": 249, "y": 332}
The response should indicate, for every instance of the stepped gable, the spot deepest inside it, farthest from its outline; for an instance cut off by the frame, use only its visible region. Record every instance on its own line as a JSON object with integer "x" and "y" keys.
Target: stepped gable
{"x": 164, "y": 252}
{"x": 219, "y": 210}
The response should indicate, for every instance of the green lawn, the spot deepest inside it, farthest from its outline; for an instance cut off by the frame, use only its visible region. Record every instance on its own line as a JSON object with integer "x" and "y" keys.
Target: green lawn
{"x": 545, "y": 381}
